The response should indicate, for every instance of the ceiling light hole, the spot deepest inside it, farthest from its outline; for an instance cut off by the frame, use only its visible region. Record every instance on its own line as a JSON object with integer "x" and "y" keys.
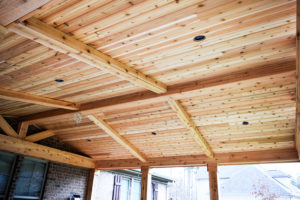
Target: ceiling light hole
{"x": 199, "y": 38}
{"x": 245, "y": 123}
{"x": 59, "y": 80}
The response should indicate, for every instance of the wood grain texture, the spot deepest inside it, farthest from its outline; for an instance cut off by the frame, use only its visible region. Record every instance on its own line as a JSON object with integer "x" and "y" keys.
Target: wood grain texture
{"x": 11, "y": 10}
{"x": 297, "y": 134}
{"x": 254, "y": 157}
{"x": 116, "y": 136}
{"x": 7, "y": 128}
{"x": 244, "y": 71}
{"x": 29, "y": 98}
{"x": 64, "y": 43}
{"x": 25, "y": 148}
{"x": 39, "y": 136}
{"x": 189, "y": 124}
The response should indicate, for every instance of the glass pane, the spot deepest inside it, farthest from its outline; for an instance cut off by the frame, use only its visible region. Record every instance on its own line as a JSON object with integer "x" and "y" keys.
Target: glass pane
{"x": 6, "y": 164}
{"x": 136, "y": 190}
{"x": 30, "y": 179}
{"x": 124, "y": 189}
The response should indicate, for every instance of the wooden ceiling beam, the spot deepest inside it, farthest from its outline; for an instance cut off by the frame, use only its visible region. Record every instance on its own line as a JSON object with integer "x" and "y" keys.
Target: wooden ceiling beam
{"x": 251, "y": 157}
{"x": 187, "y": 90}
{"x": 26, "y": 148}
{"x": 117, "y": 137}
{"x": 297, "y": 134}
{"x": 34, "y": 99}
{"x": 191, "y": 126}
{"x": 51, "y": 37}
{"x": 7, "y": 128}
{"x": 39, "y": 136}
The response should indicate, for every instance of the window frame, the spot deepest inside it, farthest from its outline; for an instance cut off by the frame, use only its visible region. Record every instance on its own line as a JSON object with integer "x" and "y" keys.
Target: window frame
{"x": 11, "y": 174}
{"x": 17, "y": 197}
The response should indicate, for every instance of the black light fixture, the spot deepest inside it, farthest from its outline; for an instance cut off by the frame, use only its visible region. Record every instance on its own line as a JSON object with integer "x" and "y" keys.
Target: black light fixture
{"x": 88, "y": 140}
{"x": 153, "y": 133}
{"x": 59, "y": 80}
{"x": 245, "y": 123}
{"x": 199, "y": 38}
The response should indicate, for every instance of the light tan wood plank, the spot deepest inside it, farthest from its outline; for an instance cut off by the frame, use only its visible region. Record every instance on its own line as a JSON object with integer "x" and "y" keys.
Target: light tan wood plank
{"x": 34, "y": 99}
{"x": 190, "y": 124}
{"x": 117, "y": 137}
{"x": 25, "y": 148}
{"x": 57, "y": 40}
{"x": 252, "y": 157}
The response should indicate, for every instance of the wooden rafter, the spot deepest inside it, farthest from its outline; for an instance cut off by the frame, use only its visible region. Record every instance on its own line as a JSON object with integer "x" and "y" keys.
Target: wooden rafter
{"x": 26, "y": 148}
{"x": 117, "y": 137}
{"x": 7, "y": 128}
{"x": 23, "y": 128}
{"x": 188, "y": 90}
{"x": 49, "y": 36}
{"x": 190, "y": 124}
{"x": 251, "y": 157}
{"x": 297, "y": 136}
{"x": 34, "y": 99}
{"x": 39, "y": 136}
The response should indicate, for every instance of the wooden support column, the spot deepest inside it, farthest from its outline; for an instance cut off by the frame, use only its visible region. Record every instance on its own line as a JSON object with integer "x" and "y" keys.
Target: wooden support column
{"x": 90, "y": 184}
{"x": 146, "y": 183}
{"x": 297, "y": 136}
{"x": 213, "y": 180}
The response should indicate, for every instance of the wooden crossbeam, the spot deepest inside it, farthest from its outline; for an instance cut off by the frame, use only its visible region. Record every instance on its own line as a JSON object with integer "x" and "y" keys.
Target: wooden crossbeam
{"x": 297, "y": 136}
{"x": 117, "y": 137}
{"x": 26, "y": 148}
{"x": 190, "y": 124}
{"x": 7, "y": 128}
{"x": 188, "y": 90}
{"x": 40, "y": 136}
{"x": 51, "y": 37}
{"x": 34, "y": 99}
{"x": 251, "y": 157}
{"x": 23, "y": 128}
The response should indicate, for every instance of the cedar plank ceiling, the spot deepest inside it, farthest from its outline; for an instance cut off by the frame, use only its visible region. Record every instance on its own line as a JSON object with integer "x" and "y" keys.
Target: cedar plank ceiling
{"x": 156, "y": 37}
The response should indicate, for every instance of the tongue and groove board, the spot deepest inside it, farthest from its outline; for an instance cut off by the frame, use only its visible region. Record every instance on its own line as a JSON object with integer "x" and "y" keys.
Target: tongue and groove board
{"x": 245, "y": 71}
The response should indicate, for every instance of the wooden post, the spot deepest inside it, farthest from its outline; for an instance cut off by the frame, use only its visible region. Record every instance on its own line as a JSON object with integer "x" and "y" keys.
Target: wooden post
{"x": 213, "y": 180}
{"x": 297, "y": 136}
{"x": 145, "y": 183}
{"x": 90, "y": 184}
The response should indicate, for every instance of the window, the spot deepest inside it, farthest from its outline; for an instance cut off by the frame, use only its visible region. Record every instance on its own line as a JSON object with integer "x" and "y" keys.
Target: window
{"x": 30, "y": 179}
{"x": 6, "y": 167}
{"x": 136, "y": 190}
{"x": 125, "y": 188}
{"x": 130, "y": 188}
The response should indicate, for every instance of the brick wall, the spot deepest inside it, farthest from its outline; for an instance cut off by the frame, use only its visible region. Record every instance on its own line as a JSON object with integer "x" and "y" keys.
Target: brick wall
{"x": 62, "y": 181}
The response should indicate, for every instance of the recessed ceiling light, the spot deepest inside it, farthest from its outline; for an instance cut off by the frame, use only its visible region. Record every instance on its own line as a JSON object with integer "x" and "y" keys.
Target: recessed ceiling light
{"x": 199, "y": 38}
{"x": 245, "y": 123}
{"x": 59, "y": 80}
{"x": 153, "y": 133}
